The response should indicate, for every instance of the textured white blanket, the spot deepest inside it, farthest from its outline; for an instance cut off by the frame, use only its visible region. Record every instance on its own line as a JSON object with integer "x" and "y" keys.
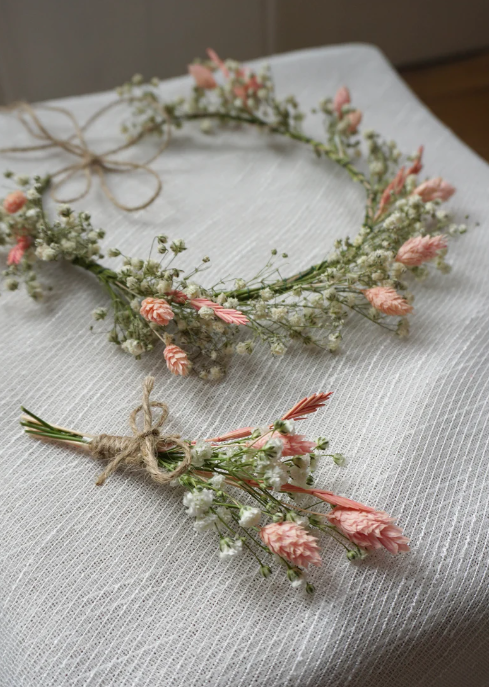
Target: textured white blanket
{"x": 111, "y": 586}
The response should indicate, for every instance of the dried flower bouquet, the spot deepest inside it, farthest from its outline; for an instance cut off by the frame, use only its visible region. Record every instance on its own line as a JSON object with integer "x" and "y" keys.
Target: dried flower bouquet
{"x": 253, "y": 487}
{"x": 404, "y": 231}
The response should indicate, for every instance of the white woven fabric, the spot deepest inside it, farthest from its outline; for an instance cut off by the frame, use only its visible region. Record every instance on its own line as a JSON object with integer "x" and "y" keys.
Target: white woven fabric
{"x": 111, "y": 586}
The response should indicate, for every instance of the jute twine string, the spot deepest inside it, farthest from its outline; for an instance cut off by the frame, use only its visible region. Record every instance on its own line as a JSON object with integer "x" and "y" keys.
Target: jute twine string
{"x": 142, "y": 448}
{"x": 89, "y": 163}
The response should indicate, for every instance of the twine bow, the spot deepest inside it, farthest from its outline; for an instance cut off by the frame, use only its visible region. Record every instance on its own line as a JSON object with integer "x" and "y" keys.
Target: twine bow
{"x": 88, "y": 163}
{"x": 142, "y": 448}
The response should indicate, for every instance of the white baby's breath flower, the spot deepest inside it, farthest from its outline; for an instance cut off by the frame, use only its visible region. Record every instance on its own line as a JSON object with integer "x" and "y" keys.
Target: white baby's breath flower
{"x": 198, "y": 503}
{"x": 133, "y": 347}
{"x": 277, "y": 348}
{"x": 244, "y": 347}
{"x": 201, "y": 451}
{"x": 266, "y": 294}
{"x": 215, "y": 373}
{"x": 205, "y": 523}
{"x": 45, "y": 252}
{"x": 278, "y": 314}
{"x": 192, "y": 290}
{"x": 249, "y": 517}
{"x": 206, "y": 313}
{"x": 217, "y": 480}
{"x": 229, "y": 548}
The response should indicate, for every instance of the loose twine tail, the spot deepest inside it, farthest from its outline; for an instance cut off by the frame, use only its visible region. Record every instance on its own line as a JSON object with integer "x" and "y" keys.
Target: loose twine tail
{"x": 142, "y": 448}
{"x": 89, "y": 162}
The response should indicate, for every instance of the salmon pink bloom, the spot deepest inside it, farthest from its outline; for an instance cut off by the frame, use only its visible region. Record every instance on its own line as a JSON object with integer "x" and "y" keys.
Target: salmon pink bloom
{"x": 419, "y": 249}
{"x": 292, "y": 542}
{"x": 342, "y": 97}
{"x": 387, "y": 300}
{"x": 354, "y": 118}
{"x": 156, "y": 310}
{"x": 434, "y": 189}
{"x": 14, "y": 201}
{"x": 369, "y": 530}
{"x": 17, "y": 252}
{"x": 176, "y": 360}
{"x": 203, "y": 76}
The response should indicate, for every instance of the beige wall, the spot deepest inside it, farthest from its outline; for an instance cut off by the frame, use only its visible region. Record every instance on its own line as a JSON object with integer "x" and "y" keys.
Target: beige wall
{"x": 51, "y": 48}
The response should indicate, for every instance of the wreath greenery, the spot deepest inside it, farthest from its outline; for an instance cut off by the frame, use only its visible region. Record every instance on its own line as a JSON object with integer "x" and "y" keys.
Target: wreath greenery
{"x": 404, "y": 229}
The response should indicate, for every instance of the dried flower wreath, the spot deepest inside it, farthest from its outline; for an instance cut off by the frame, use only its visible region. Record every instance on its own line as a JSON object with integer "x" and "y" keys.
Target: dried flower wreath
{"x": 403, "y": 230}
{"x": 271, "y": 466}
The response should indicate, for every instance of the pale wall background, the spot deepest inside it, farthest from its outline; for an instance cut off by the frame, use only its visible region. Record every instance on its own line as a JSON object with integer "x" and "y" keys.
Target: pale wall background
{"x": 53, "y": 48}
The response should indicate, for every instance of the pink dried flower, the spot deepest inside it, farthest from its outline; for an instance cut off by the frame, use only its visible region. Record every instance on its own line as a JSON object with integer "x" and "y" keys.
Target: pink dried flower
{"x": 419, "y": 249}
{"x": 250, "y": 86}
{"x": 354, "y": 118}
{"x": 214, "y": 57}
{"x": 387, "y": 300}
{"x": 233, "y": 434}
{"x": 417, "y": 165}
{"x": 228, "y": 315}
{"x": 369, "y": 530}
{"x": 327, "y": 497}
{"x": 307, "y": 405}
{"x": 176, "y": 360}
{"x": 17, "y": 252}
{"x": 156, "y": 310}
{"x": 178, "y": 296}
{"x": 293, "y": 444}
{"x": 434, "y": 189}
{"x": 14, "y": 201}
{"x": 292, "y": 542}
{"x": 342, "y": 97}
{"x": 394, "y": 188}
{"x": 202, "y": 75}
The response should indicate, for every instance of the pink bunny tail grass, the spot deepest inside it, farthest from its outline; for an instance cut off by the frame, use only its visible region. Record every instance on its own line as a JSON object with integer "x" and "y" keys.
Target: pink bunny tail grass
{"x": 17, "y": 252}
{"x": 342, "y": 97}
{"x": 388, "y": 301}
{"x": 434, "y": 189}
{"x": 228, "y": 315}
{"x": 214, "y": 57}
{"x": 292, "y": 542}
{"x": 308, "y": 405}
{"x": 417, "y": 165}
{"x": 203, "y": 76}
{"x": 157, "y": 310}
{"x": 397, "y": 184}
{"x": 369, "y": 530}
{"x": 393, "y": 189}
{"x": 176, "y": 360}
{"x": 293, "y": 444}
{"x": 14, "y": 202}
{"x": 327, "y": 497}
{"x": 233, "y": 434}
{"x": 420, "y": 249}
{"x": 354, "y": 119}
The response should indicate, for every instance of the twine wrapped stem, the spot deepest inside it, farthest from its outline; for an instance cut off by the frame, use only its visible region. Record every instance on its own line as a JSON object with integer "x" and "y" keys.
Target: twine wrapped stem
{"x": 142, "y": 448}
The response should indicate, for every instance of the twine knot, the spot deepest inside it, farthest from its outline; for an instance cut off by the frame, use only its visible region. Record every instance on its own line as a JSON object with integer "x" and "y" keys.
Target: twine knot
{"x": 88, "y": 162}
{"x": 142, "y": 448}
